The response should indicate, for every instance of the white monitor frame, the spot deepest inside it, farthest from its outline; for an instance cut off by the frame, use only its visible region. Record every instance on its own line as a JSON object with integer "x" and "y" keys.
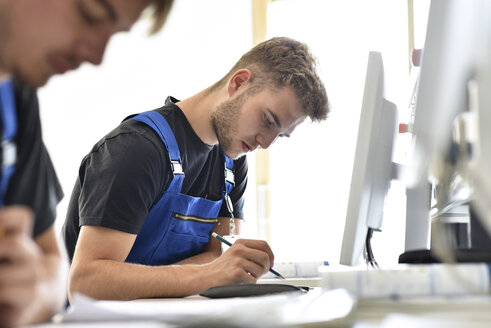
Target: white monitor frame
{"x": 456, "y": 38}
{"x": 372, "y": 168}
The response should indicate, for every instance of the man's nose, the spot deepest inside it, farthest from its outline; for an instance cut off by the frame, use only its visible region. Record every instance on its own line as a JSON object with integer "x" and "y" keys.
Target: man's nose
{"x": 92, "y": 50}
{"x": 267, "y": 140}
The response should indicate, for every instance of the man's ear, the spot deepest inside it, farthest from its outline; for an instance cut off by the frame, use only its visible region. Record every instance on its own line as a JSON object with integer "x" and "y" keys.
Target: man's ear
{"x": 240, "y": 79}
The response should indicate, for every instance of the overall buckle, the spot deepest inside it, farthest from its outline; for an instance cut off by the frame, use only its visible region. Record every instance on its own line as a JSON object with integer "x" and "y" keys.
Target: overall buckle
{"x": 229, "y": 176}
{"x": 9, "y": 153}
{"x": 176, "y": 167}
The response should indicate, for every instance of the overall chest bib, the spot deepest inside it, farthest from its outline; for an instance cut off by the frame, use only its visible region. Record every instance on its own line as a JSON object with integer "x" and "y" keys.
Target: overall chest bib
{"x": 178, "y": 226}
{"x": 8, "y": 121}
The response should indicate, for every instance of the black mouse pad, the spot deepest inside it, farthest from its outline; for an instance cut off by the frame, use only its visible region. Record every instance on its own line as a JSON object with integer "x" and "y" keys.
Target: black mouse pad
{"x": 244, "y": 290}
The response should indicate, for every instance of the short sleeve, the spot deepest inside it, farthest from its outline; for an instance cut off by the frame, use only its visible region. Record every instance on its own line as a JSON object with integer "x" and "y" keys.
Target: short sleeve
{"x": 122, "y": 178}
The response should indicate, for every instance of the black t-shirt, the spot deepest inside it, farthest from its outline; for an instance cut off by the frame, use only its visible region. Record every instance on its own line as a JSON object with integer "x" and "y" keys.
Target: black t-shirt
{"x": 127, "y": 172}
{"x": 34, "y": 182}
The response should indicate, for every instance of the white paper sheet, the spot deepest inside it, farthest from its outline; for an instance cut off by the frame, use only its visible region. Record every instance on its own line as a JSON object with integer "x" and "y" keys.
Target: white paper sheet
{"x": 272, "y": 310}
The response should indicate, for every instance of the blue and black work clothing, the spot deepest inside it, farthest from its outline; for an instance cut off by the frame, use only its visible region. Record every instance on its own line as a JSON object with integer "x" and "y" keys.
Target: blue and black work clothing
{"x": 178, "y": 226}
{"x": 127, "y": 172}
{"x": 33, "y": 182}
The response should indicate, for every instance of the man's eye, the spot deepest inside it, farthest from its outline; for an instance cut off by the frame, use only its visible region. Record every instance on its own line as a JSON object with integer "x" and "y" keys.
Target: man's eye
{"x": 91, "y": 15}
{"x": 87, "y": 17}
{"x": 267, "y": 120}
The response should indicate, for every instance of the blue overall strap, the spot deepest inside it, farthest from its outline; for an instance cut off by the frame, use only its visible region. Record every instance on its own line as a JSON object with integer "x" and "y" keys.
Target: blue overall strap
{"x": 158, "y": 123}
{"x": 228, "y": 185}
{"x": 229, "y": 173}
{"x": 8, "y": 117}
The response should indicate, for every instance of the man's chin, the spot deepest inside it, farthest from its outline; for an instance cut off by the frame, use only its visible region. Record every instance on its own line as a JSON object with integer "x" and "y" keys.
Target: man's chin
{"x": 33, "y": 80}
{"x": 233, "y": 155}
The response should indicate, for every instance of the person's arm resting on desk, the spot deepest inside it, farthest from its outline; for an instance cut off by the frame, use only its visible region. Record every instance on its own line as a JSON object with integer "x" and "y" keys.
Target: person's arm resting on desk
{"x": 30, "y": 270}
{"x": 98, "y": 269}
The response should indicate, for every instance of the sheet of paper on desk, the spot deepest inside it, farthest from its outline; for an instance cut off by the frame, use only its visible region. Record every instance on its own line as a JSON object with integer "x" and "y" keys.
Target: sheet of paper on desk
{"x": 280, "y": 309}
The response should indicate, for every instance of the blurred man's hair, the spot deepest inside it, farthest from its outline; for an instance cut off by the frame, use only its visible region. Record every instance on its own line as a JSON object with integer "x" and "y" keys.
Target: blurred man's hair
{"x": 161, "y": 9}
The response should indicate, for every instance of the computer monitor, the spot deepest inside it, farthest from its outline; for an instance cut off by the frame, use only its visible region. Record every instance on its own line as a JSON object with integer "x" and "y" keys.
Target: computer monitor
{"x": 450, "y": 52}
{"x": 372, "y": 168}
{"x": 456, "y": 38}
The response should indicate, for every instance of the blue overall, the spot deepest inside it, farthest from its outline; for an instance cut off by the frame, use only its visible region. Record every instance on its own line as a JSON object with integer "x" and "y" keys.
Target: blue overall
{"x": 8, "y": 121}
{"x": 178, "y": 226}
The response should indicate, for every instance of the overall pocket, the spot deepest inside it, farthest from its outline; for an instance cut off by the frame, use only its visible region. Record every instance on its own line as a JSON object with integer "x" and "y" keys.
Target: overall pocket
{"x": 186, "y": 236}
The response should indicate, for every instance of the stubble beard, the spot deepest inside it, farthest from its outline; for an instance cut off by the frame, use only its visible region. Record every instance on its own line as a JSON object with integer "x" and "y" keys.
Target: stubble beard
{"x": 225, "y": 122}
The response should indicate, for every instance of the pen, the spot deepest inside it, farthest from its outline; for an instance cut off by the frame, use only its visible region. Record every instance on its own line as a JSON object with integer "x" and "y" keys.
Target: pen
{"x": 226, "y": 242}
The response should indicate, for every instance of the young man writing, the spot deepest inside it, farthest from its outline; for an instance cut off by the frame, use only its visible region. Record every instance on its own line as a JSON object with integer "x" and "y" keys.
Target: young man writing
{"x": 151, "y": 192}
{"x": 37, "y": 40}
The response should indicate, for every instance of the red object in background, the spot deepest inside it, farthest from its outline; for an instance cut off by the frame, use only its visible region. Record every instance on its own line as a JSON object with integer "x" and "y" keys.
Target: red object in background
{"x": 405, "y": 128}
{"x": 416, "y": 57}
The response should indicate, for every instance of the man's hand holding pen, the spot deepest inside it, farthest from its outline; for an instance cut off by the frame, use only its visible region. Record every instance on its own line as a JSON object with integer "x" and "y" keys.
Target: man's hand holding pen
{"x": 244, "y": 262}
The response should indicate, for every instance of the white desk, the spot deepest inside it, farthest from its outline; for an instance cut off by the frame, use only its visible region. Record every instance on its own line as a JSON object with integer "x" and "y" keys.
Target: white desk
{"x": 472, "y": 311}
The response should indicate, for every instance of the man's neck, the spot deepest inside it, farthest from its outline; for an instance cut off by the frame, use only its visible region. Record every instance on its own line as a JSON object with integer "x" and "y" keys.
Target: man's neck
{"x": 198, "y": 110}
{"x": 3, "y": 75}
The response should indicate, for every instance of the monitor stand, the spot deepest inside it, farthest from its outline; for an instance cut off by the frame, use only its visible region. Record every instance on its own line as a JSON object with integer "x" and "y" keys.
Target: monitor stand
{"x": 479, "y": 249}
{"x": 462, "y": 255}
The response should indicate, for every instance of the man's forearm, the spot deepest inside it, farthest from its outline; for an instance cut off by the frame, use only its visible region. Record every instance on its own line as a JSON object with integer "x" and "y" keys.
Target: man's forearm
{"x": 108, "y": 279}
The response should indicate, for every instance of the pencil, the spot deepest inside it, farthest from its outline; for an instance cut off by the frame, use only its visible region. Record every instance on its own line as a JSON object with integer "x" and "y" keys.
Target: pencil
{"x": 226, "y": 242}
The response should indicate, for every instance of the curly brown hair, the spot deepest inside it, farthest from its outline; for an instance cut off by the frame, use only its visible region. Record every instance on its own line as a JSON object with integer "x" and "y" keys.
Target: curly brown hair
{"x": 281, "y": 62}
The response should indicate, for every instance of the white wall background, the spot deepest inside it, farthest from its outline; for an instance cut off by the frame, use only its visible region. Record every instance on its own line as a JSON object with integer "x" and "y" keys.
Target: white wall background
{"x": 319, "y": 157}
{"x": 310, "y": 172}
